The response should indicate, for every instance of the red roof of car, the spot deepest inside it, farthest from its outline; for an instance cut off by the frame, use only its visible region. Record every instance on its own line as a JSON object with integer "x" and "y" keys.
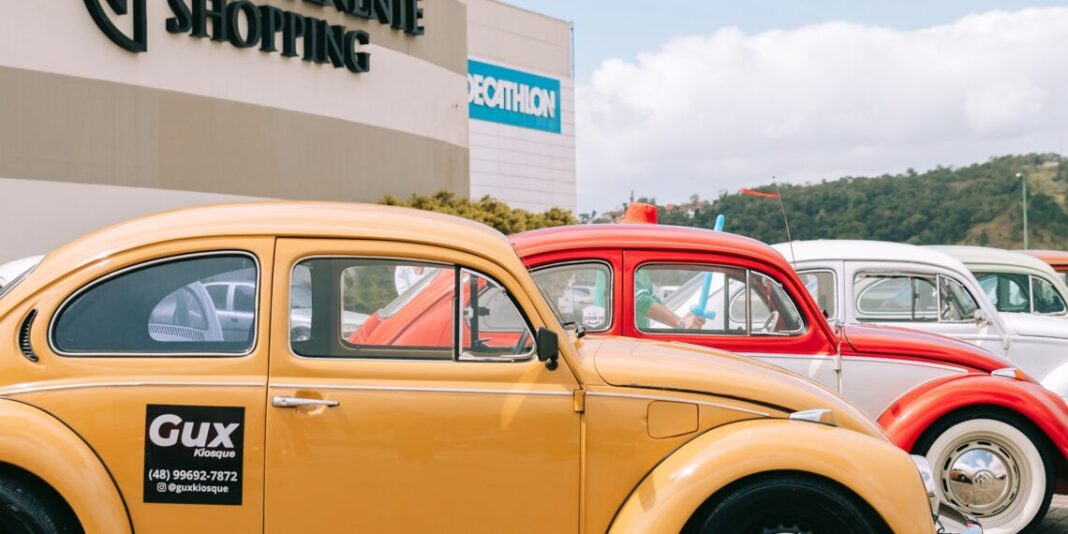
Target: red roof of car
{"x": 1055, "y": 258}
{"x": 644, "y": 236}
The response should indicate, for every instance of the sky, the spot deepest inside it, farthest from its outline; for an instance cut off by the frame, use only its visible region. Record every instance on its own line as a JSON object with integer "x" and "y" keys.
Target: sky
{"x": 682, "y": 97}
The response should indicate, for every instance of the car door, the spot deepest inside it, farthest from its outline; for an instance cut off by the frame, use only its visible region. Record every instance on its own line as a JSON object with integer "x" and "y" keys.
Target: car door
{"x": 138, "y": 367}
{"x": 927, "y": 300}
{"x": 421, "y": 420}
{"x": 763, "y": 321}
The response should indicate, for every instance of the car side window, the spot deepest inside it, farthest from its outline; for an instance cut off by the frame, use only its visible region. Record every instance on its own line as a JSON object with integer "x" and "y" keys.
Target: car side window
{"x": 1008, "y": 292}
{"x": 713, "y": 300}
{"x": 957, "y": 304}
{"x": 1047, "y": 300}
{"x": 824, "y": 289}
{"x": 896, "y": 297}
{"x": 161, "y": 308}
{"x": 491, "y": 326}
{"x": 581, "y": 293}
{"x": 398, "y": 309}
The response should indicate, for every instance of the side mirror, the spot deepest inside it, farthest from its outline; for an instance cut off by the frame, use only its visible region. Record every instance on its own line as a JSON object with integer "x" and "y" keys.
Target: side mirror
{"x": 981, "y": 318}
{"x": 548, "y": 348}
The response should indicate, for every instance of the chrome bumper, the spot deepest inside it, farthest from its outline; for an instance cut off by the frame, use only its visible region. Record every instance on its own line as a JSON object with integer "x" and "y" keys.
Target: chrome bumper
{"x": 953, "y": 520}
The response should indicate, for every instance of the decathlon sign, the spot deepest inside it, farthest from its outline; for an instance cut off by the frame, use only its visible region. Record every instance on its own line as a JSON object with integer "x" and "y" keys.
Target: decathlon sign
{"x": 508, "y": 96}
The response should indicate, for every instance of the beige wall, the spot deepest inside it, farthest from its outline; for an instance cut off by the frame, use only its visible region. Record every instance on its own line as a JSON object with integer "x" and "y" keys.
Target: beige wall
{"x": 68, "y": 129}
{"x": 38, "y": 216}
{"x": 201, "y": 121}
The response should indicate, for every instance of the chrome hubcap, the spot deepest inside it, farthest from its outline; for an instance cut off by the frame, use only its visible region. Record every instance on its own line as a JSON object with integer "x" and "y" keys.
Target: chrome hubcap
{"x": 981, "y": 476}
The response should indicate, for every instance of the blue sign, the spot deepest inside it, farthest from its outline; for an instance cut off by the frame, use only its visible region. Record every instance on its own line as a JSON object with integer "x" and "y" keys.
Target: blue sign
{"x": 508, "y": 96}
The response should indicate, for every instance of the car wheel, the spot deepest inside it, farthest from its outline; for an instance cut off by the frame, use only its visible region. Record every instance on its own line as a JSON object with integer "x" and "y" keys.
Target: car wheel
{"x": 788, "y": 505}
{"x": 994, "y": 466}
{"x": 25, "y": 509}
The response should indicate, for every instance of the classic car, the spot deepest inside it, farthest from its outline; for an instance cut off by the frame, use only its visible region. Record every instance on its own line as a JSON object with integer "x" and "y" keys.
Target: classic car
{"x": 124, "y": 409}
{"x": 924, "y": 289}
{"x": 981, "y": 423}
{"x": 1014, "y": 282}
{"x": 13, "y": 269}
{"x": 1055, "y": 258}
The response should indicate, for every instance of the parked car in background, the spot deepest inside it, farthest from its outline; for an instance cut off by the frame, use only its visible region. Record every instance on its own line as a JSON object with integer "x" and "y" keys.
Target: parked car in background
{"x": 1014, "y": 282}
{"x": 13, "y": 269}
{"x": 1057, "y": 259}
{"x": 998, "y": 440}
{"x": 924, "y": 289}
{"x": 528, "y": 430}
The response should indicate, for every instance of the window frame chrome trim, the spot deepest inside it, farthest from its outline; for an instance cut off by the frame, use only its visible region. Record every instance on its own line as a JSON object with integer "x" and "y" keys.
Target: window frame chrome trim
{"x": 805, "y": 329}
{"x": 896, "y": 274}
{"x": 610, "y": 298}
{"x": 256, "y": 323}
{"x": 457, "y": 342}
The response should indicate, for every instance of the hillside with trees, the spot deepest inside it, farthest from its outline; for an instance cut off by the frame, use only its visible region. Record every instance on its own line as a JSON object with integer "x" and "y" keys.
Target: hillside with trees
{"x": 486, "y": 210}
{"x": 979, "y": 204}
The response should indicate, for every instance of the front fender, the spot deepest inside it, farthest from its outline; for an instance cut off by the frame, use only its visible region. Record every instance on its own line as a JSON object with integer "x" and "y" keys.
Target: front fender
{"x": 1057, "y": 381}
{"x": 873, "y": 469}
{"x": 35, "y": 441}
{"x": 908, "y": 417}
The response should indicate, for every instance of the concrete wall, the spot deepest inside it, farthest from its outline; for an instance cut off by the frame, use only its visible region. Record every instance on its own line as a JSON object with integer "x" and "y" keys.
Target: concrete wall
{"x": 527, "y": 168}
{"x": 91, "y": 134}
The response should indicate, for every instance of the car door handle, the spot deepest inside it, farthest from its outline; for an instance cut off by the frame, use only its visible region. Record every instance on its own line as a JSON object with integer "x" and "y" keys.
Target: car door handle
{"x": 297, "y": 402}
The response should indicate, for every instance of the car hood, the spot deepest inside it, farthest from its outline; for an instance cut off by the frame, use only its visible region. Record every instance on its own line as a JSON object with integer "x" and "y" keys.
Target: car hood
{"x": 625, "y": 362}
{"x": 896, "y": 341}
{"x": 1037, "y": 325}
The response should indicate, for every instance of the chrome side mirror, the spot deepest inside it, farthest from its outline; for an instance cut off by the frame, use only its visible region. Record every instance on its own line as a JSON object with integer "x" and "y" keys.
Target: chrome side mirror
{"x": 981, "y": 318}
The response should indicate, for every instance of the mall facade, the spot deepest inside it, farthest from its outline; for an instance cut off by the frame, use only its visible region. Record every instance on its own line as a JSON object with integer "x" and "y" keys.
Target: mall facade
{"x": 111, "y": 109}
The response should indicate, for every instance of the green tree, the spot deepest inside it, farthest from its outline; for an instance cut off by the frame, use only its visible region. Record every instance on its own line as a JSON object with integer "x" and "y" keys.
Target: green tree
{"x": 486, "y": 210}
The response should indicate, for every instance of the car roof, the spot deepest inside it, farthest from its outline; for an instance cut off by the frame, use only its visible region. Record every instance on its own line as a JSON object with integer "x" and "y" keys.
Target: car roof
{"x": 860, "y": 250}
{"x": 995, "y": 256}
{"x": 644, "y": 236}
{"x": 1053, "y": 257}
{"x": 284, "y": 219}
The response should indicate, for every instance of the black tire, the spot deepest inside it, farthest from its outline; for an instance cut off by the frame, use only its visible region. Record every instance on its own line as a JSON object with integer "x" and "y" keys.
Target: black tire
{"x": 26, "y": 508}
{"x": 785, "y": 503}
{"x": 994, "y": 418}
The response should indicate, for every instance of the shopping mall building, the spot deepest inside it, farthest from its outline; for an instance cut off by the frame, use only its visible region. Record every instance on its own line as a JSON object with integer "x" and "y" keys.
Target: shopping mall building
{"x": 114, "y": 108}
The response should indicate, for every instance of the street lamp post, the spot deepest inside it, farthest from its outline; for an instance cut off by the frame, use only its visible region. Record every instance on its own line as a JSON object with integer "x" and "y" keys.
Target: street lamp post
{"x": 1023, "y": 178}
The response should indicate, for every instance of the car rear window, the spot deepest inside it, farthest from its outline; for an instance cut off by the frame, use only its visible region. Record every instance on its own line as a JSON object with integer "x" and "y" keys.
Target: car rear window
{"x": 160, "y": 308}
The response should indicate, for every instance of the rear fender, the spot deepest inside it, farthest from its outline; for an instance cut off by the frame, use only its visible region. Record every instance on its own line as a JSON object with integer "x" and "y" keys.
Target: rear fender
{"x": 669, "y": 495}
{"x": 35, "y": 441}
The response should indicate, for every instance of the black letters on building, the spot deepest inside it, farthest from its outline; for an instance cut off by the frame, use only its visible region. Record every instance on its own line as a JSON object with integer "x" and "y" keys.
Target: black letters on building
{"x": 244, "y": 24}
{"x": 139, "y": 41}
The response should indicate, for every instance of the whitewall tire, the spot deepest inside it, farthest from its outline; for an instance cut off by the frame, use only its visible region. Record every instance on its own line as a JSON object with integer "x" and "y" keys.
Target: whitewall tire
{"x": 992, "y": 465}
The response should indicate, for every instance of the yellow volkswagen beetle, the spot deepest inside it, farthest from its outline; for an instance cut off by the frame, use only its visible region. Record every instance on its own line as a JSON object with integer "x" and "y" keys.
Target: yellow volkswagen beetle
{"x": 196, "y": 371}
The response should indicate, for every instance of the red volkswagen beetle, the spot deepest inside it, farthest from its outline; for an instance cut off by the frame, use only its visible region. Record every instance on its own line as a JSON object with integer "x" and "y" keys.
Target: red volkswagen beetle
{"x": 996, "y": 438}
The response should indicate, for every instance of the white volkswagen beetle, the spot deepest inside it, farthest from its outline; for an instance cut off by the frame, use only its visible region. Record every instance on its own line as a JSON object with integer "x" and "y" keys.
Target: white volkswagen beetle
{"x": 921, "y": 288}
{"x": 1014, "y": 282}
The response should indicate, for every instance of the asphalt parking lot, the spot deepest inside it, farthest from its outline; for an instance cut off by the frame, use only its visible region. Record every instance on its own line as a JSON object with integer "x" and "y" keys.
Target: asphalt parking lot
{"x": 1057, "y": 520}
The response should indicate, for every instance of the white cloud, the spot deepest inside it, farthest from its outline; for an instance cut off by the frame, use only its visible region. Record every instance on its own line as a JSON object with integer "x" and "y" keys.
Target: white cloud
{"x": 729, "y": 110}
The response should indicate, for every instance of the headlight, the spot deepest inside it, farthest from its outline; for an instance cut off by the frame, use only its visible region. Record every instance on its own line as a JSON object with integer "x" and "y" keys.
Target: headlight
{"x": 924, "y": 467}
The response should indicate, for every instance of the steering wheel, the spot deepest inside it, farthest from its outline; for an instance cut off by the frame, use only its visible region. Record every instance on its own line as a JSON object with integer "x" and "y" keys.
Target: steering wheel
{"x": 771, "y": 321}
